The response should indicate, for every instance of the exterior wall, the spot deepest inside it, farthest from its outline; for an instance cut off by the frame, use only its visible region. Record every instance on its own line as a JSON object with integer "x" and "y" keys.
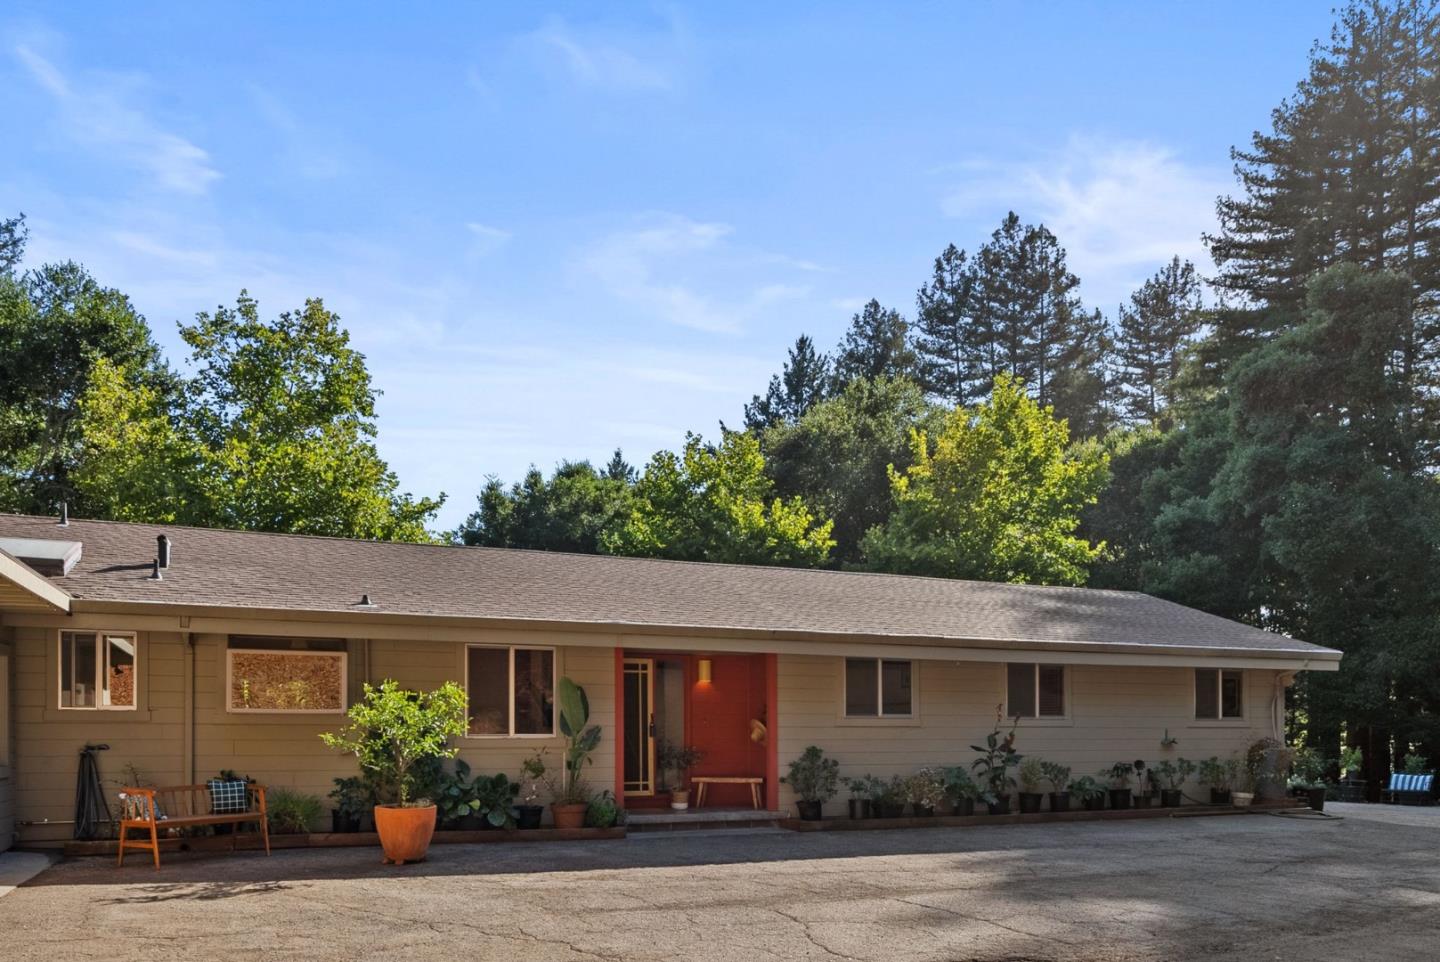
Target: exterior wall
{"x": 7, "y": 783}
{"x": 1115, "y": 714}
{"x": 279, "y": 750}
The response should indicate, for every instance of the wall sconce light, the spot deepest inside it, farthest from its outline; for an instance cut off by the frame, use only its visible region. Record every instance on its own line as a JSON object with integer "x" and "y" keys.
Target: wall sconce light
{"x": 703, "y": 670}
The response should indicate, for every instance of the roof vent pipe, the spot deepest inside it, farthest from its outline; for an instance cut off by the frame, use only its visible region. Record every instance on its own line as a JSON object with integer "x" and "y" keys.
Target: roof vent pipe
{"x": 155, "y": 574}
{"x": 64, "y": 521}
{"x": 162, "y": 551}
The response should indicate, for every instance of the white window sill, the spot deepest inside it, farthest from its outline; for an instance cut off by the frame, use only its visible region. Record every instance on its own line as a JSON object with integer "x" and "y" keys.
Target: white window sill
{"x": 884, "y": 721}
{"x": 1062, "y": 722}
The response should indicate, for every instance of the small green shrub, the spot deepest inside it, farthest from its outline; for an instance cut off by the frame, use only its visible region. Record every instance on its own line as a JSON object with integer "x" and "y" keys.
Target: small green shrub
{"x": 814, "y": 777}
{"x": 1416, "y": 764}
{"x": 291, "y": 812}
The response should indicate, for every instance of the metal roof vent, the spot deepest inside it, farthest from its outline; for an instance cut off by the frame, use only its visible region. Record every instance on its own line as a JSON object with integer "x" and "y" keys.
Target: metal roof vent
{"x": 365, "y": 602}
{"x": 162, "y": 551}
{"x": 51, "y": 558}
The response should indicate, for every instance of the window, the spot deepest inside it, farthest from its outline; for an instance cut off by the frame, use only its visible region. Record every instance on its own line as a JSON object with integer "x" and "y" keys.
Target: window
{"x": 290, "y": 681}
{"x": 1035, "y": 691}
{"x": 1219, "y": 693}
{"x": 511, "y": 690}
{"x": 878, "y": 688}
{"x": 97, "y": 670}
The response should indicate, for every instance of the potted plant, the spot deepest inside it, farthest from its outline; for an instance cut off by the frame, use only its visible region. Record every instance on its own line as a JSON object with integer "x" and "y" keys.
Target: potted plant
{"x": 495, "y": 800}
{"x": 678, "y": 759}
{"x": 354, "y": 798}
{"x": 1146, "y": 785}
{"x": 860, "y": 790}
{"x": 1352, "y": 786}
{"x": 925, "y": 791}
{"x": 1032, "y": 778}
{"x": 1219, "y": 775}
{"x": 570, "y": 799}
{"x": 528, "y": 811}
{"x": 992, "y": 768}
{"x": 1059, "y": 778}
{"x": 604, "y": 811}
{"x": 291, "y": 812}
{"x": 815, "y": 779}
{"x": 1119, "y": 776}
{"x": 889, "y": 798}
{"x": 390, "y": 730}
{"x": 455, "y": 798}
{"x": 1090, "y": 791}
{"x": 1172, "y": 777}
{"x": 1307, "y": 777}
{"x": 960, "y": 787}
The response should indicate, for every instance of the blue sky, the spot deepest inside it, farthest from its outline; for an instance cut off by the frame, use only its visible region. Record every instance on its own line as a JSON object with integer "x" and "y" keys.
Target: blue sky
{"x": 555, "y": 231}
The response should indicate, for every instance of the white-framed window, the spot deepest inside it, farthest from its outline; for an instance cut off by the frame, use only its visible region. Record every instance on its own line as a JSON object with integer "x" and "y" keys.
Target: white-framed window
{"x": 1035, "y": 691}
{"x": 510, "y": 690}
{"x": 282, "y": 681}
{"x": 1219, "y": 693}
{"x": 99, "y": 670}
{"x": 879, "y": 688}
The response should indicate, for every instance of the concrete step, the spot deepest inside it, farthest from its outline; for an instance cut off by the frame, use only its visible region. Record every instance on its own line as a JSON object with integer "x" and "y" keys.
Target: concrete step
{"x": 661, "y": 820}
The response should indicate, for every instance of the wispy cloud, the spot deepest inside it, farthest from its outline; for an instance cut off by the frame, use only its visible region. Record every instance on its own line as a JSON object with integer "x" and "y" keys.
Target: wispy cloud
{"x": 1120, "y": 209}
{"x": 619, "y": 60}
{"x": 95, "y": 113}
{"x": 485, "y": 238}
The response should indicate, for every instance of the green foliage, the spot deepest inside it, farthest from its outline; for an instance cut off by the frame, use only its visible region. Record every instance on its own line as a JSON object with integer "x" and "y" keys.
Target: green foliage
{"x": 926, "y": 788}
{"x": 1173, "y": 774}
{"x": 716, "y": 504}
{"x": 814, "y": 777}
{"x": 1162, "y": 318}
{"x": 569, "y": 512}
{"x": 393, "y": 730}
{"x": 876, "y": 345}
{"x": 959, "y": 784}
{"x": 996, "y": 497}
{"x": 1416, "y": 764}
{"x": 1352, "y": 760}
{"x": 1031, "y": 774}
{"x": 1307, "y": 769}
{"x": 1056, "y": 774}
{"x": 997, "y": 758}
{"x": 291, "y": 812}
{"x": 1119, "y": 774}
{"x": 13, "y": 235}
{"x": 604, "y": 811}
{"x": 353, "y": 796}
{"x": 581, "y": 740}
{"x": 803, "y": 383}
{"x": 1219, "y": 773}
{"x": 678, "y": 759}
{"x": 1086, "y": 788}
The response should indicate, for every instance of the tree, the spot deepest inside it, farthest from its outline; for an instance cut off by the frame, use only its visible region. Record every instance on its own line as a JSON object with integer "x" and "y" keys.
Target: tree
{"x": 997, "y": 496}
{"x": 273, "y": 432}
{"x": 1347, "y": 174}
{"x": 875, "y": 345}
{"x": 948, "y": 344}
{"x": 715, "y": 503}
{"x": 804, "y": 381}
{"x": 1162, "y": 318}
{"x": 837, "y": 456}
{"x": 618, "y": 469}
{"x": 56, "y": 324}
{"x": 569, "y": 512}
{"x": 13, "y": 235}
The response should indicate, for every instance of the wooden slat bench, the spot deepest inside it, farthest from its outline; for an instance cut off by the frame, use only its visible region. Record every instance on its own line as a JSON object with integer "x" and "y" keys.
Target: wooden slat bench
{"x": 701, "y": 782}
{"x": 152, "y": 810}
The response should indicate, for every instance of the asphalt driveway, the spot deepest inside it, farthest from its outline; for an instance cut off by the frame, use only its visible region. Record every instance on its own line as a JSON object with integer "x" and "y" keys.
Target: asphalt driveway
{"x": 1250, "y": 887}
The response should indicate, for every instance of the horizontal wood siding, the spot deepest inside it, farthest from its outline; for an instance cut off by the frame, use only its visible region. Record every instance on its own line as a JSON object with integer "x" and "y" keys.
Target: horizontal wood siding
{"x": 1116, "y": 714}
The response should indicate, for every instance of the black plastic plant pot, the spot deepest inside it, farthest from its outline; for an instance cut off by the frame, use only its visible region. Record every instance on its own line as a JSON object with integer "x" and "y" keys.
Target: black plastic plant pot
{"x": 1315, "y": 798}
{"x": 810, "y": 811}
{"x": 1171, "y": 797}
{"x": 892, "y": 809}
{"x": 1030, "y": 802}
{"x": 1219, "y": 796}
{"x": 1096, "y": 804}
{"x": 1141, "y": 801}
{"x": 528, "y": 816}
{"x": 1120, "y": 798}
{"x": 1001, "y": 805}
{"x": 340, "y": 823}
{"x": 965, "y": 806}
{"x": 859, "y": 808}
{"x": 1059, "y": 801}
{"x": 923, "y": 811}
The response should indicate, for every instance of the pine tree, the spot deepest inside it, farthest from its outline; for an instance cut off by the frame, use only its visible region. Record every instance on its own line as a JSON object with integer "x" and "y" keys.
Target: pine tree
{"x": 1161, "y": 318}
{"x": 945, "y": 333}
{"x": 803, "y": 382}
{"x": 618, "y": 469}
{"x": 876, "y": 345}
{"x": 13, "y": 234}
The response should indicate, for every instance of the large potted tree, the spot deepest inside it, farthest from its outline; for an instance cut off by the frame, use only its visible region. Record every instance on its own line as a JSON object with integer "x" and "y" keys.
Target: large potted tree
{"x": 570, "y": 798}
{"x": 815, "y": 779}
{"x": 992, "y": 768}
{"x": 392, "y": 731}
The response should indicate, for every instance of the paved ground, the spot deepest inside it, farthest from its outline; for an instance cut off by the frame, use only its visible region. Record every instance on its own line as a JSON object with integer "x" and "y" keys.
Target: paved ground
{"x": 1248, "y": 887}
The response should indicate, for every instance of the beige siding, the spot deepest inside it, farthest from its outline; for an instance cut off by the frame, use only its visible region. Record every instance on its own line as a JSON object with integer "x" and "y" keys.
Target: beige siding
{"x": 1115, "y": 714}
{"x": 7, "y": 782}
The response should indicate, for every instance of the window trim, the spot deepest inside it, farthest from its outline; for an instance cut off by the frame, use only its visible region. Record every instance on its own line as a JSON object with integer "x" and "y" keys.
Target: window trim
{"x": 510, "y": 691}
{"x": 344, "y": 657}
{"x": 102, "y": 655}
{"x": 1220, "y": 717}
{"x": 880, "y": 713}
{"x": 1035, "y": 667}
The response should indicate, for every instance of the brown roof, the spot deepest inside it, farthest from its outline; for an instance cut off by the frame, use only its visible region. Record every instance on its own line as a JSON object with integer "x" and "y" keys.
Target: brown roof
{"x": 238, "y": 569}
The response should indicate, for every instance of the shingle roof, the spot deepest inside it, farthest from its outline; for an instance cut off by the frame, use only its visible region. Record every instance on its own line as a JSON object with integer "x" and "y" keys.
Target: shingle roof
{"x": 238, "y": 569}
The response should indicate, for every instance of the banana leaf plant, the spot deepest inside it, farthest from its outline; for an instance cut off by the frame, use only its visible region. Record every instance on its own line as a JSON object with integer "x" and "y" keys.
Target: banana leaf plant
{"x": 997, "y": 758}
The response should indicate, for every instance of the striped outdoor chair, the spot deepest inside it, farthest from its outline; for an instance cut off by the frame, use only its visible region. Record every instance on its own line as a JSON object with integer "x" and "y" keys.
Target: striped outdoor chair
{"x": 1413, "y": 788}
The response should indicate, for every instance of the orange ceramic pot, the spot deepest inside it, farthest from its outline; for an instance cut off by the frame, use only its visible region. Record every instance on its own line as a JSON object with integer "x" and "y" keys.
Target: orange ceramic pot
{"x": 404, "y": 832}
{"x": 569, "y": 816}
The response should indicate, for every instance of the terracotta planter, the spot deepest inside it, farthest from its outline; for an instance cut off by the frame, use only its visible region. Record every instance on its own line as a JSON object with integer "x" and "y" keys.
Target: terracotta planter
{"x": 569, "y": 816}
{"x": 404, "y": 832}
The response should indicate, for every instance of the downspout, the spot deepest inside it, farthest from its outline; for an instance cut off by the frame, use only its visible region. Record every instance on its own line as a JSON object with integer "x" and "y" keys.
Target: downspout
{"x": 187, "y": 750}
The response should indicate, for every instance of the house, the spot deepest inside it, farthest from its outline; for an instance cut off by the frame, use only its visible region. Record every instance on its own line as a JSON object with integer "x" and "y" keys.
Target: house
{"x": 192, "y": 650}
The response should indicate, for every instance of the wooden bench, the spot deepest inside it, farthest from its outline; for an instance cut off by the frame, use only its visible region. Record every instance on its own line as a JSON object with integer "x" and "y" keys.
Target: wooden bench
{"x": 702, "y": 781}
{"x": 182, "y": 806}
{"x": 1414, "y": 787}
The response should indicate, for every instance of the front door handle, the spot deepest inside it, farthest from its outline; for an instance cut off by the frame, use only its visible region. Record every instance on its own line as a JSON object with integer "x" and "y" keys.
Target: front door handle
{"x": 652, "y": 726}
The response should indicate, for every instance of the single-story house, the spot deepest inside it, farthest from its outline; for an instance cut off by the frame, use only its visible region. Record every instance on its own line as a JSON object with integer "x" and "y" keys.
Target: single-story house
{"x": 191, "y": 650}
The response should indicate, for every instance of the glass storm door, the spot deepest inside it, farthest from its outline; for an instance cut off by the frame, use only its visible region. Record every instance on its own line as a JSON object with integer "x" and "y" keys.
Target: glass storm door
{"x": 639, "y": 714}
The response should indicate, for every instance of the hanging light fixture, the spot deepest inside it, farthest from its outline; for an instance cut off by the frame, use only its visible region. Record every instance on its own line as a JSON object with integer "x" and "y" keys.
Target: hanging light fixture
{"x": 703, "y": 670}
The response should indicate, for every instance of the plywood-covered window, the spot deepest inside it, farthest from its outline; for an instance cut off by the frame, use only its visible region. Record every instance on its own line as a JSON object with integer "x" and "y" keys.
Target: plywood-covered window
{"x": 98, "y": 670}
{"x": 511, "y": 690}
{"x": 879, "y": 688}
{"x": 1035, "y": 691}
{"x": 1219, "y": 693}
{"x": 281, "y": 681}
